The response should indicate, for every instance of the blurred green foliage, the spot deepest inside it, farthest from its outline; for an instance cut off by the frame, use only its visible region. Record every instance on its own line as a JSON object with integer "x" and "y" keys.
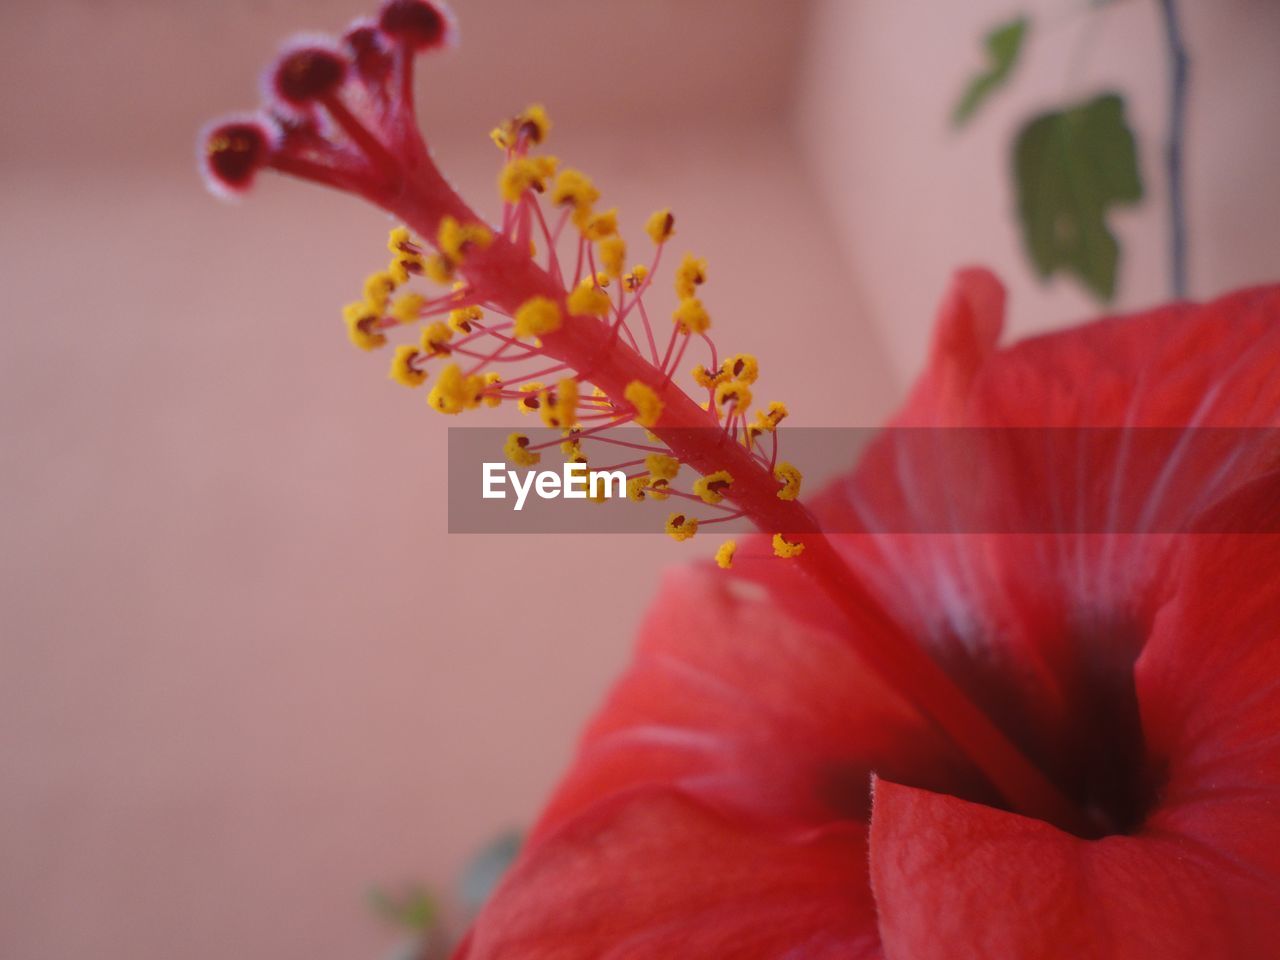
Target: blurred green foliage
{"x": 414, "y": 910}
{"x": 1003, "y": 45}
{"x": 1071, "y": 167}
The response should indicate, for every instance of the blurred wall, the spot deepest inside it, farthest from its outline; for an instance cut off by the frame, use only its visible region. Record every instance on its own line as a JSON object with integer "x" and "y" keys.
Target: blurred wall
{"x": 913, "y": 199}
{"x": 244, "y": 673}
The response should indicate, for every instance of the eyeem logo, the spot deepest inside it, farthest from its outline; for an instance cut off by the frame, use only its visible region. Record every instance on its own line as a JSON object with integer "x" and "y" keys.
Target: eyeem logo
{"x": 575, "y": 482}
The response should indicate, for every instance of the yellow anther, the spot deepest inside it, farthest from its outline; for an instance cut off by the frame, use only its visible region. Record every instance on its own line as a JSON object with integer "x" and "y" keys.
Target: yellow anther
{"x": 401, "y": 241}
{"x": 572, "y": 450}
{"x": 559, "y": 407}
{"x": 406, "y": 255}
{"x": 742, "y": 367}
{"x": 537, "y": 317}
{"x": 724, "y": 556}
{"x": 690, "y": 275}
{"x": 661, "y": 466}
{"x": 531, "y": 399}
{"x": 790, "y": 478}
{"x": 681, "y": 526}
{"x": 659, "y": 489}
{"x": 525, "y": 173}
{"x": 635, "y": 279}
{"x": 438, "y": 268}
{"x": 517, "y": 451}
{"x": 782, "y": 547}
{"x": 645, "y": 400}
{"x": 613, "y": 255}
{"x": 691, "y": 316}
{"x": 567, "y": 400}
{"x": 733, "y": 393}
{"x": 462, "y": 318}
{"x": 588, "y": 300}
{"x": 660, "y": 226}
{"x": 360, "y": 310}
{"x": 378, "y": 288}
{"x": 601, "y": 225}
{"x": 534, "y": 123}
{"x": 407, "y": 308}
{"x": 474, "y": 388}
{"x": 636, "y": 487}
{"x": 712, "y": 487}
{"x": 455, "y": 239}
{"x": 402, "y": 266}
{"x": 402, "y": 369}
{"x": 435, "y": 339}
{"x": 769, "y": 418}
{"x": 492, "y": 384}
{"x": 707, "y": 379}
{"x": 452, "y": 392}
{"x": 573, "y": 188}
{"x": 361, "y": 321}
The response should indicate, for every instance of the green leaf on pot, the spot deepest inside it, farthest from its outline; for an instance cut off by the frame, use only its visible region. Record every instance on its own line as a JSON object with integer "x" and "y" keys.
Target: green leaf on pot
{"x": 1003, "y": 44}
{"x": 1071, "y": 167}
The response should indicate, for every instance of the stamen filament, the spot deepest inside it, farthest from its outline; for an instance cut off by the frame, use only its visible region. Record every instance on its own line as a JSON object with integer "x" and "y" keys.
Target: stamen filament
{"x": 601, "y": 438}
{"x": 553, "y": 262}
{"x": 369, "y": 145}
{"x": 648, "y": 327}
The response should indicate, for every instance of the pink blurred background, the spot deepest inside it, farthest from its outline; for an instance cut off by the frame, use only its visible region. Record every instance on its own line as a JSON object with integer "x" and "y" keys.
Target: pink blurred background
{"x": 244, "y": 673}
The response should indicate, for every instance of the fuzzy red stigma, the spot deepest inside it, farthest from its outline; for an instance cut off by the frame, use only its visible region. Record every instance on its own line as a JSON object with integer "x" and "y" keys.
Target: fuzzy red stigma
{"x": 368, "y": 51}
{"x": 233, "y": 153}
{"x": 308, "y": 74}
{"x": 417, "y": 23}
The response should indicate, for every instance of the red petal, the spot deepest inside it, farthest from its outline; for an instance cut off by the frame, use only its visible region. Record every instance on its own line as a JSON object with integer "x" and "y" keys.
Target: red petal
{"x": 742, "y": 707}
{"x": 969, "y": 324}
{"x": 1205, "y": 365}
{"x": 953, "y": 878}
{"x": 1208, "y": 364}
{"x": 1209, "y": 685}
{"x": 651, "y": 874}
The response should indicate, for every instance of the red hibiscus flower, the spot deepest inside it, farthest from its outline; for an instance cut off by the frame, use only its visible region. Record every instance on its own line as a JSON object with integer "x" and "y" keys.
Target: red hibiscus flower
{"x": 749, "y": 791}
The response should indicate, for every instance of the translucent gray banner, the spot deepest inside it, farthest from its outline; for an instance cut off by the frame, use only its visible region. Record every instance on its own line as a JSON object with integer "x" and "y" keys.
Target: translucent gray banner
{"x": 903, "y": 480}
